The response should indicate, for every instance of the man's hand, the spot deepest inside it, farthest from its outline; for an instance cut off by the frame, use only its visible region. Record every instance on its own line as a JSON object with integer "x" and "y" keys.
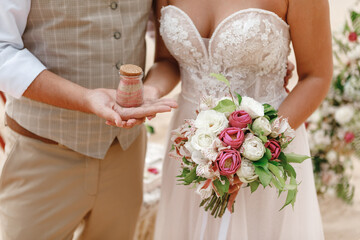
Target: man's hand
{"x": 289, "y": 74}
{"x": 102, "y": 102}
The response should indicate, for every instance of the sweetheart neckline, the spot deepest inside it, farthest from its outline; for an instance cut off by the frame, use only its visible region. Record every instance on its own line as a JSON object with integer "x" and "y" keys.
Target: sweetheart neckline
{"x": 222, "y": 22}
{"x": 207, "y": 50}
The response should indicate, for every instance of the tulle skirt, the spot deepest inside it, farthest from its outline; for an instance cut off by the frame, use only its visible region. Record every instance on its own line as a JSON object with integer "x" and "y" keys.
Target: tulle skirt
{"x": 256, "y": 216}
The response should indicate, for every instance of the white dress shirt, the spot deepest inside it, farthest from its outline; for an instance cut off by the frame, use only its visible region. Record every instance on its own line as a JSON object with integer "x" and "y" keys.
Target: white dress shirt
{"x": 18, "y": 66}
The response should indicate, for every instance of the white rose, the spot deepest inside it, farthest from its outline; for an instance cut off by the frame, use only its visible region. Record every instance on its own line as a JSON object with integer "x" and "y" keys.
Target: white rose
{"x": 331, "y": 156}
{"x": 252, "y": 148}
{"x": 246, "y": 172}
{"x": 344, "y": 114}
{"x": 211, "y": 121}
{"x": 252, "y": 107}
{"x": 262, "y": 125}
{"x": 202, "y": 140}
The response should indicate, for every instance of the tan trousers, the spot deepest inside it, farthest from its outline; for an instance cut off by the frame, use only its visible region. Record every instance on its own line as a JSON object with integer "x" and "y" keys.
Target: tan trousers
{"x": 46, "y": 190}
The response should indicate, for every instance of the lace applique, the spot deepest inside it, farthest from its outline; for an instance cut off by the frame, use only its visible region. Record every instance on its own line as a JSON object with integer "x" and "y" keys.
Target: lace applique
{"x": 177, "y": 38}
{"x": 250, "y": 48}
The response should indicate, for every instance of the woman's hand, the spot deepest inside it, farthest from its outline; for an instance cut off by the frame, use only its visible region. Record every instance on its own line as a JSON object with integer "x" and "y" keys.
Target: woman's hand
{"x": 289, "y": 73}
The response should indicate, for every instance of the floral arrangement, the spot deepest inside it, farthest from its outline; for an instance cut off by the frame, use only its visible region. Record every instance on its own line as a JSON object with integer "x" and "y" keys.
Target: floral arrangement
{"x": 234, "y": 142}
{"x": 335, "y": 127}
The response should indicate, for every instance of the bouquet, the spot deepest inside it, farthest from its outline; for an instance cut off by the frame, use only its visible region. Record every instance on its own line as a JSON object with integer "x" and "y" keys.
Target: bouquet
{"x": 335, "y": 127}
{"x": 232, "y": 142}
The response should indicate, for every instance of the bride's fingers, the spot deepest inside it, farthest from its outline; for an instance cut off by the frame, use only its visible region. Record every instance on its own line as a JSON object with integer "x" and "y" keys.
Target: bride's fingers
{"x": 151, "y": 117}
{"x": 143, "y": 111}
{"x": 162, "y": 101}
{"x": 133, "y": 122}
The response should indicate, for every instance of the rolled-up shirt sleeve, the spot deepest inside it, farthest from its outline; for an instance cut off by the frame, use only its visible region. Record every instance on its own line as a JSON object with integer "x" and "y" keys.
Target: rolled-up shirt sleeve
{"x": 18, "y": 66}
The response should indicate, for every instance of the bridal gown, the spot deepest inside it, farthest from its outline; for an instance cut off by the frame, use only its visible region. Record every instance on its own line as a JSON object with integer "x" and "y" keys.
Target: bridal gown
{"x": 250, "y": 47}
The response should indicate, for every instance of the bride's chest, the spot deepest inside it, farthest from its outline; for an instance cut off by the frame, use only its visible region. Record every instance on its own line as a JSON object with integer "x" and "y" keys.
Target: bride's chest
{"x": 252, "y": 40}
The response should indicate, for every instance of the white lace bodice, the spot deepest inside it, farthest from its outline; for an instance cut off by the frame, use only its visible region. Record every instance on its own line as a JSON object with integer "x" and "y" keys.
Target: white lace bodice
{"x": 250, "y": 47}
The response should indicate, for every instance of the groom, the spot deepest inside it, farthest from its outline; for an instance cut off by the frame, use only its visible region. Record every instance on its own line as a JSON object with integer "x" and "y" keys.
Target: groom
{"x": 59, "y": 63}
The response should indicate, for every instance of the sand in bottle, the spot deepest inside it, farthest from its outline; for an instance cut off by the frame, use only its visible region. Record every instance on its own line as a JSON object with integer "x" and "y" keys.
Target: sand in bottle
{"x": 130, "y": 90}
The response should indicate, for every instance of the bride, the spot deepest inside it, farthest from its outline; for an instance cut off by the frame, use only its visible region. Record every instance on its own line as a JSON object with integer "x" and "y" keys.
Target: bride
{"x": 248, "y": 42}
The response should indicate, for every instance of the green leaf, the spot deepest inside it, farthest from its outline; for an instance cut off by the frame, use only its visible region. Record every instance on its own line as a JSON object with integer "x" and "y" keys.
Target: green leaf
{"x": 277, "y": 184}
{"x": 225, "y": 106}
{"x": 270, "y": 112}
{"x": 354, "y": 15}
{"x": 222, "y": 189}
{"x": 268, "y": 154}
{"x": 263, "y": 162}
{"x": 185, "y": 171}
{"x": 290, "y": 187}
{"x": 277, "y": 172}
{"x": 295, "y": 158}
{"x": 291, "y": 196}
{"x": 190, "y": 177}
{"x": 186, "y": 161}
{"x": 150, "y": 129}
{"x": 239, "y": 98}
{"x": 253, "y": 186}
{"x": 263, "y": 138}
{"x": 268, "y": 108}
{"x": 264, "y": 176}
{"x": 290, "y": 170}
{"x": 282, "y": 157}
{"x": 221, "y": 78}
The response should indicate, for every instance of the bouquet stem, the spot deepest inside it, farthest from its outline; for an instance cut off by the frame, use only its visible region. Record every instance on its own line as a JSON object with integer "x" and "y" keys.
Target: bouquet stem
{"x": 217, "y": 205}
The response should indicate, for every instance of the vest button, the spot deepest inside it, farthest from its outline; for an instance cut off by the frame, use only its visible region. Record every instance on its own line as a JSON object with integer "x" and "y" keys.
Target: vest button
{"x": 117, "y": 35}
{"x": 113, "y": 5}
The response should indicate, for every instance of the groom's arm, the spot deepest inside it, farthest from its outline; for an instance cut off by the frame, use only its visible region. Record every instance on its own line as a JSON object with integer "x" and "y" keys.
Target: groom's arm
{"x": 311, "y": 37}
{"x": 22, "y": 74}
{"x": 52, "y": 89}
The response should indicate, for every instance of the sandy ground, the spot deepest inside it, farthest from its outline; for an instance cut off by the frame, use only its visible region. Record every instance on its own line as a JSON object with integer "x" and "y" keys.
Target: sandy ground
{"x": 341, "y": 221}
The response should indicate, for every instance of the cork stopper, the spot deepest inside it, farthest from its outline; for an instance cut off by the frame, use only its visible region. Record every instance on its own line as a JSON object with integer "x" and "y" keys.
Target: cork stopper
{"x": 130, "y": 70}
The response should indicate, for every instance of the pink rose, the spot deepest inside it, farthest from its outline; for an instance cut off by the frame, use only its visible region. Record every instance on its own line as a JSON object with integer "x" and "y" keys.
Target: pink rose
{"x": 232, "y": 137}
{"x": 228, "y": 162}
{"x": 352, "y": 37}
{"x": 274, "y": 147}
{"x": 240, "y": 119}
{"x": 349, "y": 137}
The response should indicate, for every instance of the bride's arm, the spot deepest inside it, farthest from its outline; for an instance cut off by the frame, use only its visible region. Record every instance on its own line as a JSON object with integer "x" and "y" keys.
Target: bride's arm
{"x": 311, "y": 37}
{"x": 164, "y": 75}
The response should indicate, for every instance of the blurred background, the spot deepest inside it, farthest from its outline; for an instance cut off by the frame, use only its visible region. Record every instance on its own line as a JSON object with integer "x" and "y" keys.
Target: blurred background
{"x": 337, "y": 168}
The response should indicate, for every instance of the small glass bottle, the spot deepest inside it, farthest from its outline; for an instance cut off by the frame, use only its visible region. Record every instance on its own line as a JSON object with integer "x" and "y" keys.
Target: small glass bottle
{"x": 130, "y": 91}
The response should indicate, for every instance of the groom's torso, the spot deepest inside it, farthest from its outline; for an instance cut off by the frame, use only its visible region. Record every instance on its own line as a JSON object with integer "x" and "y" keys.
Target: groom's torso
{"x": 84, "y": 42}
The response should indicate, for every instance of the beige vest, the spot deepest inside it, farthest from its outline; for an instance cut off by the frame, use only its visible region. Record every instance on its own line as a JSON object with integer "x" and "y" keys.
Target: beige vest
{"x": 84, "y": 42}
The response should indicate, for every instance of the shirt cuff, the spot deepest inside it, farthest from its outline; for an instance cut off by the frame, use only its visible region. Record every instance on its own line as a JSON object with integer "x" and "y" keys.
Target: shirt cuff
{"x": 19, "y": 72}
